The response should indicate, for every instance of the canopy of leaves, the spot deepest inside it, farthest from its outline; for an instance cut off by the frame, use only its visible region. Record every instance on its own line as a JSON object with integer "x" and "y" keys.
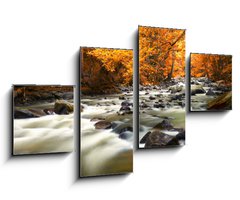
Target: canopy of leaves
{"x": 161, "y": 54}
{"x": 104, "y": 70}
{"x": 214, "y": 67}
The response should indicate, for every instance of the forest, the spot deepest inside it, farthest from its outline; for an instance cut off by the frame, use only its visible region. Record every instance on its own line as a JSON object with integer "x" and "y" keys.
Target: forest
{"x": 161, "y": 54}
{"x": 213, "y": 67}
{"x": 211, "y": 82}
{"x": 105, "y": 71}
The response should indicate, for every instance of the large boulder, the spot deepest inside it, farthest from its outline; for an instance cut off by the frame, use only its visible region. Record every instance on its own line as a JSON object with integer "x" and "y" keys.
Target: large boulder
{"x": 103, "y": 125}
{"x": 157, "y": 139}
{"x": 197, "y": 89}
{"x": 63, "y": 107}
{"x": 164, "y": 125}
{"x": 37, "y": 112}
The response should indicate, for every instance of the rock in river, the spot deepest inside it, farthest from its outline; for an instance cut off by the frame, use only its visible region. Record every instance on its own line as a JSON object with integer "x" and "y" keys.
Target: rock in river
{"x": 122, "y": 97}
{"x": 125, "y": 110}
{"x": 63, "y": 107}
{"x": 37, "y": 112}
{"x": 125, "y": 135}
{"x": 197, "y": 89}
{"x": 144, "y": 105}
{"x": 152, "y": 98}
{"x": 210, "y": 92}
{"x": 23, "y": 114}
{"x": 103, "y": 125}
{"x": 159, "y": 105}
{"x": 164, "y": 125}
{"x": 126, "y": 103}
{"x": 159, "y": 139}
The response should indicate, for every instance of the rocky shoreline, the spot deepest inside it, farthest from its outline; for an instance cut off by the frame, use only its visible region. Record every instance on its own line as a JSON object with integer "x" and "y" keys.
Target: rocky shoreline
{"x": 60, "y": 107}
{"x": 38, "y": 101}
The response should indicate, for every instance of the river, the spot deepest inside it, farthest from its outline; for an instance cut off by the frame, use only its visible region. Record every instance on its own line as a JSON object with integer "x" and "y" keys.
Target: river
{"x": 105, "y": 151}
{"x": 46, "y": 134}
{"x": 150, "y": 115}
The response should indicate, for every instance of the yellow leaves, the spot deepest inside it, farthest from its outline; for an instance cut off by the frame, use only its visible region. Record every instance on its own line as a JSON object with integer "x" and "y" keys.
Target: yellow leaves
{"x": 115, "y": 60}
{"x": 155, "y": 52}
{"x": 215, "y": 67}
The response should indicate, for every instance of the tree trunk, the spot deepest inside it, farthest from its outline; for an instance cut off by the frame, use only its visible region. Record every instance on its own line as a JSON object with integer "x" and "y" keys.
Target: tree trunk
{"x": 172, "y": 68}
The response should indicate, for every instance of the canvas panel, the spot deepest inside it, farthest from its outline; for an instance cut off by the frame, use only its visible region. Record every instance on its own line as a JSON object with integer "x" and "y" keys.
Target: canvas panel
{"x": 211, "y": 82}
{"x": 42, "y": 119}
{"x": 106, "y": 131}
{"x": 162, "y": 87}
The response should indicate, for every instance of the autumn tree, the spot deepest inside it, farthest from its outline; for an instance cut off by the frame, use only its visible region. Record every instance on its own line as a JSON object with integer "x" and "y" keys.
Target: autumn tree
{"x": 105, "y": 70}
{"x": 161, "y": 54}
{"x": 214, "y": 67}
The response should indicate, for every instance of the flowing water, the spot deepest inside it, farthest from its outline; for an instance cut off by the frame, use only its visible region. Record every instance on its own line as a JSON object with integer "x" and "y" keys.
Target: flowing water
{"x": 103, "y": 151}
{"x": 199, "y": 102}
{"x": 150, "y": 117}
{"x": 47, "y": 134}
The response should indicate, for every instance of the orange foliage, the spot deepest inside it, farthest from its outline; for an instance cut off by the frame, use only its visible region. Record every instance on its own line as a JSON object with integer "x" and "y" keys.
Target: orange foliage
{"x": 214, "y": 67}
{"x": 115, "y": 58}
{"x": 161, "y": 54}
{"x": 104, "y": 71}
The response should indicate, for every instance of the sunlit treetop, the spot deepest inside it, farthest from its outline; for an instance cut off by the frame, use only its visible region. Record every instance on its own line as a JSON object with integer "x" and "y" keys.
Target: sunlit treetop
{"x": 161, "y": 54}
{"x": 105, "y": 70}
{"x": 115, "y": 58}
